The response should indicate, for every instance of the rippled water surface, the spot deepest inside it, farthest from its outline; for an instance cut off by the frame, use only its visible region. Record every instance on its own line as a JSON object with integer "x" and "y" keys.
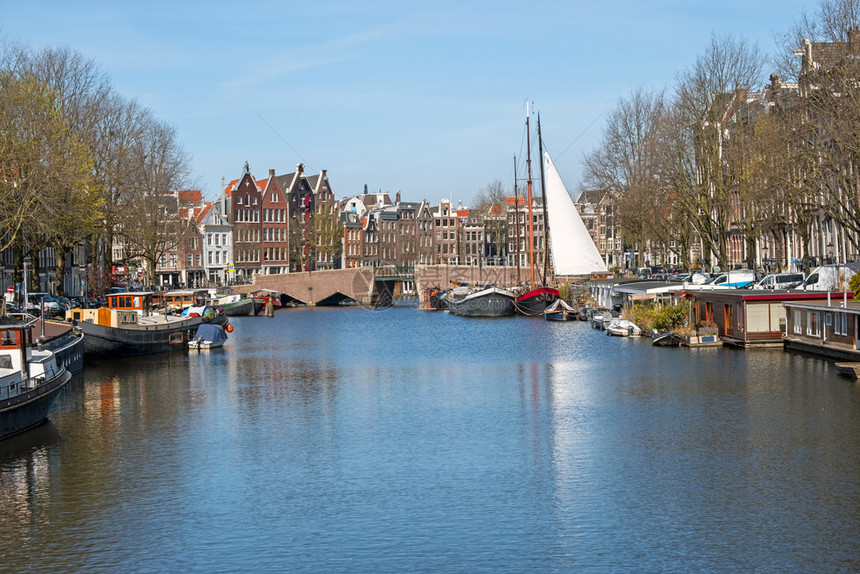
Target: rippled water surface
{"x": 344, "y": 440}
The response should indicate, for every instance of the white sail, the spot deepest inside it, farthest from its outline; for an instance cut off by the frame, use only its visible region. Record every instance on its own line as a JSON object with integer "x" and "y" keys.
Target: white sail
{"x": 573, "y": 250}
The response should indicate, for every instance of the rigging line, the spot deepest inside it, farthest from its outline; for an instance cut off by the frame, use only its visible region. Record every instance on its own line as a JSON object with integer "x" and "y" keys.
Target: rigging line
{"x": 594, "y": 121}
{"x": 298, "y": 155}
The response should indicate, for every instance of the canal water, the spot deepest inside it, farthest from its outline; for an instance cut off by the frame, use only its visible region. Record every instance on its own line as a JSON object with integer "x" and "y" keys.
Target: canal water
{"x": 347, "y": 440}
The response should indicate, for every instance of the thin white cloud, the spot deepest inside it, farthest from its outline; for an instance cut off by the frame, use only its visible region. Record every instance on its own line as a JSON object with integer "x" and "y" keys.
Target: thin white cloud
{"x": 303, "y": 58}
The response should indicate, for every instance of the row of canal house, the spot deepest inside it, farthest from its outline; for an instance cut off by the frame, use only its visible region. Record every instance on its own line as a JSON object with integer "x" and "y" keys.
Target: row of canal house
{"x": 818, "y": 322}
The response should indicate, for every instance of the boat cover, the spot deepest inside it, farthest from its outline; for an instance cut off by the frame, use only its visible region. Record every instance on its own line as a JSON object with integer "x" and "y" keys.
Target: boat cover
{"x": 211, "y": 332}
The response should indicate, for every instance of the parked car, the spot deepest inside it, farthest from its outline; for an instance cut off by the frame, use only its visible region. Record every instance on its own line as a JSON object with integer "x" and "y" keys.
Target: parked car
{"x": 35, "y": 302}
{"x": 68, "y": 302}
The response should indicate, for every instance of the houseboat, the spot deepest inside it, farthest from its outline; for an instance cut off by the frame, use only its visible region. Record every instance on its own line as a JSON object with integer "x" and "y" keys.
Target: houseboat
{"x": 825, "y": 328}
{"x": 746, "y": 317}
{"x": 30, "y": 380}
{"x": 130, "y": 328}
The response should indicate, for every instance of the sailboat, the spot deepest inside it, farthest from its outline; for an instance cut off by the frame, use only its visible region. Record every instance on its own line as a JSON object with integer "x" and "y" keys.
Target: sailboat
{"x": 536, "y": 298}
{"x": 573, "y": 250}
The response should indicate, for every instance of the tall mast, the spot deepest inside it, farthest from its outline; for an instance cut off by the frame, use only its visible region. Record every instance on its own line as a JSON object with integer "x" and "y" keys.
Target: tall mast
{"x": 543, "y": 201}
{"x": 531, "y": 223}
{"x": 517, "y": 217}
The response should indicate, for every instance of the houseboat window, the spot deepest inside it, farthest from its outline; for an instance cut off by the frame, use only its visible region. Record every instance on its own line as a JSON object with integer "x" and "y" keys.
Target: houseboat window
{"x": 828, "y": 319}
{"x": 5, "y": 361}
{"x": 813, "y": 324}
{"x": 798, "y": 326}
{"x": 8, "y": 338}
{"x": 758, "y": 317}
{"x": 840, "y": 325}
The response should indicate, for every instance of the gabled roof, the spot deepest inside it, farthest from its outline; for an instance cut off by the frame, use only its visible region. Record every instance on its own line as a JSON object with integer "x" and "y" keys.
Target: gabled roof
{"x": 228, "y": 191}
{"x": 203, "y": 212}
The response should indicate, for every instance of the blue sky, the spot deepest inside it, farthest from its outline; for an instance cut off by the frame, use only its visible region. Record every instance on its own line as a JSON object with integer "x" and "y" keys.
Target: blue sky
{"x": 425, "y": 98}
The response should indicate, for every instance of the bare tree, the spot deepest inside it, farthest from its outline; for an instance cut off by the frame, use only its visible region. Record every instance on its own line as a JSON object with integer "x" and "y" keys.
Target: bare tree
{"x": 696, "y": 170}
{"x": 627, "y": 164}
{"x": 152, "y": 227}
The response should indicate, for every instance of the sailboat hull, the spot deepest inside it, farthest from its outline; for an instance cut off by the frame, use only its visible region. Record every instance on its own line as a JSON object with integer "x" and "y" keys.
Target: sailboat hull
{"x": 489, "y": 302}
{"x": 533, "y": 303}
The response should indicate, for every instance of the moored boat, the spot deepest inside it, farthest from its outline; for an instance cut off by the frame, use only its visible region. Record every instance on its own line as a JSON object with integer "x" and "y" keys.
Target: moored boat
{"x": 623, "y": 328}
{"x": 481, "y": 302}
{"x": 534, "y": 302}
{"x": 208, "y": 336}
{"x": 237, "y": 305}
{"x": 66, "y": 342}
{"x": 30, "y": 380}
{"x": 560, "y": 310}
{"x": 667, "y": 339}
{"x": 111, "y": 332}
{"x": 264, "y": 298}
{"x": 850, "y": 370}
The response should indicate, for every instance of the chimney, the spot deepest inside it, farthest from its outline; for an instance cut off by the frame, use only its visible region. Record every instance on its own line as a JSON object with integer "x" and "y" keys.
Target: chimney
{"x": 397, "y": 198}
{"x": 271, "y": 173}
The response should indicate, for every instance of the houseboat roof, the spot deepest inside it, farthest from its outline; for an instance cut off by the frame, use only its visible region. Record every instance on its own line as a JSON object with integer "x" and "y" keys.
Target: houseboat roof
{"x": 852, "y": 307}
{"x": 645, "y": 287}
{"x": 767, "y": 295}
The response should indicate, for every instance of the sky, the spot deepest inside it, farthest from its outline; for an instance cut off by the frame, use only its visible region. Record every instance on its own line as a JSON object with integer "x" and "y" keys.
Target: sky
{"x": 423, "y": 98}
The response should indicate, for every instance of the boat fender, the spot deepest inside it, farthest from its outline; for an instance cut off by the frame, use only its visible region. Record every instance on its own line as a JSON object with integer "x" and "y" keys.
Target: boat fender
{"x": 229, "y": 328}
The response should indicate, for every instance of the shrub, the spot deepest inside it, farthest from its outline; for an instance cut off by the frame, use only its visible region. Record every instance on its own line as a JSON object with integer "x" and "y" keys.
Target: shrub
{"x": 666, "y": 318}
{"x": 564, "y": 291}
{"x": 854, "y": 285}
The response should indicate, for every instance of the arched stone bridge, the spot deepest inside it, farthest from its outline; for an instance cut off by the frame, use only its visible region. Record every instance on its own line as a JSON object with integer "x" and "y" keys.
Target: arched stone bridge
{"x": 372, "y": 287}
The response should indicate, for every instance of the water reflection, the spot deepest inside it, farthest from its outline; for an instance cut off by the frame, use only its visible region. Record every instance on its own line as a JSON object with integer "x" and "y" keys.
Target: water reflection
{"x": 341, "y": 440}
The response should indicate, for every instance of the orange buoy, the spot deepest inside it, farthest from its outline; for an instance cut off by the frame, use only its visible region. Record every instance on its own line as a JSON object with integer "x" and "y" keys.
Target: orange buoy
{"x": 229, "y": 328}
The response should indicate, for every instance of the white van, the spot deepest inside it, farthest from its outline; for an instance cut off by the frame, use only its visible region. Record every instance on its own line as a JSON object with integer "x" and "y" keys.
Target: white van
{"x": 830, "y": 277}
{"x": 780, "y": 281}
{"x": 733, "y": 279}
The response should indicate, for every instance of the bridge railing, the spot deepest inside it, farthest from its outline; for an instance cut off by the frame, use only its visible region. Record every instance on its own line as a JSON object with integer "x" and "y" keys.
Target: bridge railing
{"x": 394, "y": 272}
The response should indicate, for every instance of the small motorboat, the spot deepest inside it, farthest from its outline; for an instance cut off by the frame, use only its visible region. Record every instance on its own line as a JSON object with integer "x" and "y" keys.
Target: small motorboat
{"x": 849, "y": 370}
{"x": 560, "y": 310}
{"x": 208, "y": 336}
{"x": 623, "y": 328}
{"x": 667, "y": 339}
